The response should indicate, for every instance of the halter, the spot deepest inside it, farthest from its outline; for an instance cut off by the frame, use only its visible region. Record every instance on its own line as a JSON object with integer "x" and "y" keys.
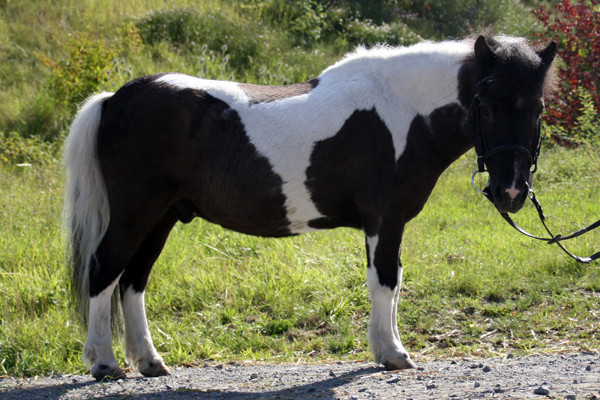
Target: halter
{"x": 484, "y": 154}
{"x": 481, "y": 147}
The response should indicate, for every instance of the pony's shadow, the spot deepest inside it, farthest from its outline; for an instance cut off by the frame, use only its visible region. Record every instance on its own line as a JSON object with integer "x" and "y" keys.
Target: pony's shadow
{"x": 323, "y": 389}
{"x": 43, "y": 392}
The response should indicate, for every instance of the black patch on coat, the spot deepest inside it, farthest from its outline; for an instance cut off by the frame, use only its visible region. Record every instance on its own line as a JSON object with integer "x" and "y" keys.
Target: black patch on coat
{"x": 195, "y": 147}
{"x": 351, "y": 173}
{"x": 433, "y": 143}
{"x": 355, "y": 181}
{"x": 264, "y": 94}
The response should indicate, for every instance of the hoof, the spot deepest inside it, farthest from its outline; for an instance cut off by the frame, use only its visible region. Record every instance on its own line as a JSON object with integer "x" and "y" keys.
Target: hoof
{"x": 155, "y": 368}
{"x": 398, "y": 362}
{"x": 107, "y": 373}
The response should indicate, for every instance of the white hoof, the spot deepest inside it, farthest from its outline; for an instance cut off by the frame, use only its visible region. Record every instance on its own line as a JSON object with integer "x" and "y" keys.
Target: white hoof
{"x": 394, "y": 360}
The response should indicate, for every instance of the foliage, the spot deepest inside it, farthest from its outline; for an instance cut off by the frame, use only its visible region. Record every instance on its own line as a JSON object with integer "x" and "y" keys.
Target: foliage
{"x": 351, "y": 29}
{"x": 305, "y": 20}
{"x": 576, "y": 28}
{"x": 191, "y": 31}
{"x": 452, "y": 19}
{"x": 310, "y": 22}
{"x": 15, "y": 149}
{"x": 92, "y": 63}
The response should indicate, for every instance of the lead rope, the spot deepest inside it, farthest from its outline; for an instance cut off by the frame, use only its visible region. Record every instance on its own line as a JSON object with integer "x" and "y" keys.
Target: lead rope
{"x": 553, "y": 239}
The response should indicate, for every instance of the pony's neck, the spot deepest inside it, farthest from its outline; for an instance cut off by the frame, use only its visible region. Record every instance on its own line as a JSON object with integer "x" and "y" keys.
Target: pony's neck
{"x": 423, "y": 77}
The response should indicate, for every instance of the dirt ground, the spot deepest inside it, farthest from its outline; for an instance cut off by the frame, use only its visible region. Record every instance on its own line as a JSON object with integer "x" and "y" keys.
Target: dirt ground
{"x": 573, "y": 376}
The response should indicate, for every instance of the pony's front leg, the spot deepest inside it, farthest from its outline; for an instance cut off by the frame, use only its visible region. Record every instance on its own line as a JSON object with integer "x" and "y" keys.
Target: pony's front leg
{"x": 384, "y": 278}
{"x": 98, "y": 352}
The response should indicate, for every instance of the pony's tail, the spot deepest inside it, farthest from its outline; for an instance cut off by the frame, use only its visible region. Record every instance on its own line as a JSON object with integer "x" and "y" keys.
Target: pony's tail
{"x": 86, "y": 209}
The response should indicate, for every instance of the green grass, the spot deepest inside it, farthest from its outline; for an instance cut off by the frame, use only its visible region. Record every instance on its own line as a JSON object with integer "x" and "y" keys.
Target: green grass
{"x": 473, "y": 286}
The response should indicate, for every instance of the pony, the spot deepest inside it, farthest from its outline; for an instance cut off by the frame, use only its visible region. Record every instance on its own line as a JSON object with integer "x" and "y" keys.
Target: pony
{"x": 361, "y": 145}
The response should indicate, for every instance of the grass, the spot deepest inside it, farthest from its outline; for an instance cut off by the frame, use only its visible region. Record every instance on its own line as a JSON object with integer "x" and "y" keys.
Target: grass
{"x": 472, "y": 285}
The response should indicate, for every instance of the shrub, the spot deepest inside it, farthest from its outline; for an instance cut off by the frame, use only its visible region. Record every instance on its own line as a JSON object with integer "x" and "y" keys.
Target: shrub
{"x": 367, "y": 32}
{"x": 452, "y": 18}
{"x": 15, "y": 149}
{"x": 92, "y": 63}
{"x": 187, "y": 30}
{"x": 304, "y": 21}
{"x": 310, "y": 22}
{"x": 576, "y": 28}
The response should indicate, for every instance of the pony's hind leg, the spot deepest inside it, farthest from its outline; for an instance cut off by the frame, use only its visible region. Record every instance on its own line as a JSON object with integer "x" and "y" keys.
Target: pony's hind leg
{"x": 106, "y": 267}
{"x": 127, "y": 230}
{"x": 139, "y": 349}
{"x": 97, "y": 352}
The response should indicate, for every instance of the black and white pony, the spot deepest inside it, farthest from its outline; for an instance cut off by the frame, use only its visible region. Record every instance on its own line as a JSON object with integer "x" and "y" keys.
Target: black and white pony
{"x": 360, "y": 146}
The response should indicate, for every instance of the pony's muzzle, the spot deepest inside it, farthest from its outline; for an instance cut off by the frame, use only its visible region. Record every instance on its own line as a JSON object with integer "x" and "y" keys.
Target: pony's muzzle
{"x": 510, "y": 199}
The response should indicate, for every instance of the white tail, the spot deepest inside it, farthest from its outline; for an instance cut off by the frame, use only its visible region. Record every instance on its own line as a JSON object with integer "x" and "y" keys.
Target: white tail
{"x": 86, "y": 209}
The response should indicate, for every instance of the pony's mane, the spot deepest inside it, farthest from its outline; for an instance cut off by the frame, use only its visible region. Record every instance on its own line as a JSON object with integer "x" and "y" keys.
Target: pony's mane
{"x": 518, "y": 57}
{"x": 363, "y": 55}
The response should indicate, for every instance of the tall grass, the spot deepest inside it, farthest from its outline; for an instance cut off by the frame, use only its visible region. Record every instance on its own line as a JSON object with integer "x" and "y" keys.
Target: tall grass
{"x": 473, "y": 286}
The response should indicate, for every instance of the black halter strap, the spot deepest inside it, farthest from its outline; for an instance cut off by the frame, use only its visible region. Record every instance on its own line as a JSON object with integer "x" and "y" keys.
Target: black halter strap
{"x": 484, "y": 154}
{"x": 481, "y": 147}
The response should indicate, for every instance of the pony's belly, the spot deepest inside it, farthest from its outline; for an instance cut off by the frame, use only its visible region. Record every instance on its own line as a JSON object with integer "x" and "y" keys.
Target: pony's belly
{"x": 260, "y": 214}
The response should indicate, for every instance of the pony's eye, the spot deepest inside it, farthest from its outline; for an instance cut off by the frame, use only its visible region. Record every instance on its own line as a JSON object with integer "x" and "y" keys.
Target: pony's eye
{"x": 485, "y": 111}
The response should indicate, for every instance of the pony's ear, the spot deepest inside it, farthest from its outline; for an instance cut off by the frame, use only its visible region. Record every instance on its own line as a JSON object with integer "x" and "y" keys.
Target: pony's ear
{"x": 484, "y": 54}
{"x": 547, "y": 55}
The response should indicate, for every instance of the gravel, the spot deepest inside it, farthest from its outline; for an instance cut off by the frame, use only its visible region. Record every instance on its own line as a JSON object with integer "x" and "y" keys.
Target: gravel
{"x": 574, "y": 376}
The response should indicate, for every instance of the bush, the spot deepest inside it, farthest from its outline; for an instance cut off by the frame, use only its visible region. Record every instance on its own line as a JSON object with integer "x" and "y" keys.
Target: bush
{"x": 304, "y": 21}
{"x": 186, "y": 30}
{"x": 367, "y": 32}
{"x": 452, "y": 18}
{"x": 576, "y": 28}
{"x": 310, "y": 22}
{"x": 92, "y": 63}
{"x": 15, "y": 149}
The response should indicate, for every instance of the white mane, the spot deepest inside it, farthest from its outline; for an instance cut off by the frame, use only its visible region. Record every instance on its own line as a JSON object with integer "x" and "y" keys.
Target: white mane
{"x": 421, "y": 77}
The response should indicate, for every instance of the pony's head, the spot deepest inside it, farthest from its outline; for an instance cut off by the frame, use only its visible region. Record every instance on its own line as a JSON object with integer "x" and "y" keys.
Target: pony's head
{"x": 508, "y": 81}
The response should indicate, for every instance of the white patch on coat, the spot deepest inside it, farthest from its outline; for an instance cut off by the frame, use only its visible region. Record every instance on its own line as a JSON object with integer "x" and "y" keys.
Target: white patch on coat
{"x": 399, "y": 83}
{"x": 384, "y": 338}
{"x": 98, "y": 347}
{"x": 139, "y": 349}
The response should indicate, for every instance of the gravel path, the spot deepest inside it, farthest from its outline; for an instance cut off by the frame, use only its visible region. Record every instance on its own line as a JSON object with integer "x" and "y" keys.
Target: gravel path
{"x": 574, "y": 376}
